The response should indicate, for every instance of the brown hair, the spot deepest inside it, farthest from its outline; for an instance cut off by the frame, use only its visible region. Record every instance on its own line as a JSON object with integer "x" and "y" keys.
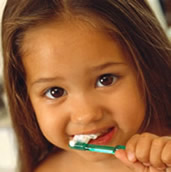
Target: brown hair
{"x": 139, "y": 31}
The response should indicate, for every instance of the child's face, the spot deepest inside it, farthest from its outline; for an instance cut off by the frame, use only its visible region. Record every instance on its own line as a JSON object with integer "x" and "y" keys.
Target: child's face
{"x": 80, "y": 82}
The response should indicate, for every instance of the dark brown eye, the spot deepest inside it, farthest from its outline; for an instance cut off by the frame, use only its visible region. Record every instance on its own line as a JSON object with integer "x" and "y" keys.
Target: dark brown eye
{"x": 55, "y": 92}
{"x": 106, "y": 80}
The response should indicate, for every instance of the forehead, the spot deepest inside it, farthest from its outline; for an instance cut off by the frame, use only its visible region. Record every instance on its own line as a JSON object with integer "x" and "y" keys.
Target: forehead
{"x": 84, "y": 26}
{"x": 78, "y": 40}
{"x": 62, "y": 37}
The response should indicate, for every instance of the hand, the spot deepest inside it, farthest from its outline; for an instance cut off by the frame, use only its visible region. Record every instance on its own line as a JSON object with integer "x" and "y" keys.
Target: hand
{"x": 147, "y": 153}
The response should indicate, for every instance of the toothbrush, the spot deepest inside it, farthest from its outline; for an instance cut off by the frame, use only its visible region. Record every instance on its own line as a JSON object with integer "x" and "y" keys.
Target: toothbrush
{"x": 96, "y": 148}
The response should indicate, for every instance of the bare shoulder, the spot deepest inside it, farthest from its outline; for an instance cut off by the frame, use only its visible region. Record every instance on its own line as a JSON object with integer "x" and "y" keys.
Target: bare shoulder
{"x": 53, "y": 163}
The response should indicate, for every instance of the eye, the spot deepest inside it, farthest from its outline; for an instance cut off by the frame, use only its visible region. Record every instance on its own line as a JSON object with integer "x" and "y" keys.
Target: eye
{"x": 55, "y": 92}
{"x": 106, "y": 80}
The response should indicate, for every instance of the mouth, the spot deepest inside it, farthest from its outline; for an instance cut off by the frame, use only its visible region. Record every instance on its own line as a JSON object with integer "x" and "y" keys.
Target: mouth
{"x": 104, "y": 138}
{"x": 99, "y": 138}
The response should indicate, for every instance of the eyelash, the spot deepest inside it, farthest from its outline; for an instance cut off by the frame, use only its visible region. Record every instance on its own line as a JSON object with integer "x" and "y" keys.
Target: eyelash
{"x": 48, "y": 93}
{"x": 103, "y": 78}
{"x": 113, "y": 78}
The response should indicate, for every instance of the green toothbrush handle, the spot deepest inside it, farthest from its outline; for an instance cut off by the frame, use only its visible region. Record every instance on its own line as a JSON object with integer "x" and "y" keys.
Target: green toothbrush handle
{"x": 97, "y": 148}
{"x": 103, "y": 149}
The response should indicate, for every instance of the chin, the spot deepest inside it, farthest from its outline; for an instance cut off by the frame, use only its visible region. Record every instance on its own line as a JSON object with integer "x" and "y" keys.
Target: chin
{"x": 95, "y": 157}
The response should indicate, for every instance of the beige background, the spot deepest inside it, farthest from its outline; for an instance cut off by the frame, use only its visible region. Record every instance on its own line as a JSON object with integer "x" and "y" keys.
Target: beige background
{"x": 2, "y": 3}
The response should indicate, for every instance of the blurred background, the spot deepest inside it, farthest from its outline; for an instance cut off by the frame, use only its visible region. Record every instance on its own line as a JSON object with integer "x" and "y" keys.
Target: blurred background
{"x": 8, "y": 148}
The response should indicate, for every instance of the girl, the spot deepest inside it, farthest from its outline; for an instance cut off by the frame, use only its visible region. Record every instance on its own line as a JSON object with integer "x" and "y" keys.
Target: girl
{"x": 86, "y": 67}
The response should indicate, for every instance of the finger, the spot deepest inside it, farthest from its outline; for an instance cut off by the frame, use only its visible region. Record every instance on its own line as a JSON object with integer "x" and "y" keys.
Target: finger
{"x": 138, "y": 147}
{"x": 152, "y": 169}
{"x": 166, "y": 153}
{"x": 168, "y": 169}
{"x": 157, "y": 147}
{"x": 131, "y": 147}
{"x": 135, "y": 166}
{"x": 143, "y": 147}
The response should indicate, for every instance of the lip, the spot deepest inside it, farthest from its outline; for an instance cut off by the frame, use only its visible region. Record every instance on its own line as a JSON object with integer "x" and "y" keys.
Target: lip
{"x": 93, "y": 131}
{"x": 104, "y": 139}
{"x": 101, "y": 140}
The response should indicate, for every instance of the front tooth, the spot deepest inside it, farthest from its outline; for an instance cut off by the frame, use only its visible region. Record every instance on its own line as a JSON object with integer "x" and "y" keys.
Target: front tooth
{"x": 94, "y": 136}
{"x": 85, "y": 138}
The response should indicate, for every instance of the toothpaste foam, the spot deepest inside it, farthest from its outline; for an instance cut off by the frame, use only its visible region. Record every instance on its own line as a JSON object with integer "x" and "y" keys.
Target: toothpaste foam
{"x": 84, "y": 138}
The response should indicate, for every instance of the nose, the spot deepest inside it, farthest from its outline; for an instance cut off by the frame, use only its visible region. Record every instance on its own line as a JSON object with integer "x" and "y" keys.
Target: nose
{"x": 86, "y": 111}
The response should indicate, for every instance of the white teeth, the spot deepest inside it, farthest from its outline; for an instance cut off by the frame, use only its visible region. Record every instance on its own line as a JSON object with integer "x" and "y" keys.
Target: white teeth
{"x": 84, "y": 138}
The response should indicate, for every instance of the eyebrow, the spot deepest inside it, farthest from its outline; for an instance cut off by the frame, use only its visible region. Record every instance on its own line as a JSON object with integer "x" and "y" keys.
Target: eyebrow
{"x": 105, "y": 65}
{"x": 46, "y": 80}
{"x": 94, "y": 68}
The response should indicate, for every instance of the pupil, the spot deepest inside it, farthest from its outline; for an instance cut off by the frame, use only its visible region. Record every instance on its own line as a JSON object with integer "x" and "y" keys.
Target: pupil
{"x": 57, "y": 92}
{"x": 106, "y": 79}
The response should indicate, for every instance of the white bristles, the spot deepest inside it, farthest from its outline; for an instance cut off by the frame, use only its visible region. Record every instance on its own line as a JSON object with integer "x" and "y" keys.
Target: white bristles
{"x": 84, "y": 138}
{"x": 72, "y": 143}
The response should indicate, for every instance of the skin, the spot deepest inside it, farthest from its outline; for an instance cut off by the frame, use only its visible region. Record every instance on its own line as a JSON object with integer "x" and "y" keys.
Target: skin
{"x": 72, "y": 56}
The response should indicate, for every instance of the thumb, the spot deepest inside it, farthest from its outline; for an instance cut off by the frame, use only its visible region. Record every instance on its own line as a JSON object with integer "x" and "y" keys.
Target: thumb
{"x": 133, "y": 165}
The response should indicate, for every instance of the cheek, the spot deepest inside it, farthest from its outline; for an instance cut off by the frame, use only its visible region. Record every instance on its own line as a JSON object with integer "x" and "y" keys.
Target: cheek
{"x": 131, "y": 115}
{"x": 49, "y": 119}
{"x": 128, "y": 109}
